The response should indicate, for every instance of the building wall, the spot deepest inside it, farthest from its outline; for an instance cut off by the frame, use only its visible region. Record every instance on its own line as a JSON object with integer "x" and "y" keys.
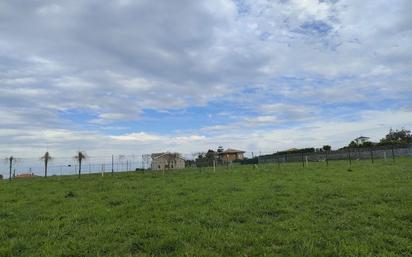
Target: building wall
{"x": 232, "y": 156}
{"x": 165, "y": 163}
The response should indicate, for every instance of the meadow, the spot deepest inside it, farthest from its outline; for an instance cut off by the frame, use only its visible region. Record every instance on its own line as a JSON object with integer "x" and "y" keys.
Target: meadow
{"x": 362, "y": 210}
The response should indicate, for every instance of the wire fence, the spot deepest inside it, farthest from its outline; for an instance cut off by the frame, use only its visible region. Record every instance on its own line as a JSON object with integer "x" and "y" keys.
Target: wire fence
{"x": 69, "y": 166}
{"x": 349, "y": 154}
{"x": 305, "y": 156}
{"x": 59, "y": 166}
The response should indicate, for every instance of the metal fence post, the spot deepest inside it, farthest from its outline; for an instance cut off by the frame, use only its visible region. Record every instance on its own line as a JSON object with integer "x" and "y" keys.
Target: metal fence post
{"x": 10, "y": 167}
{"x": 303, "y": 161}
{"x": 393, "y": 155}
{"x": 372, "y": 155}
{"x": 349, "y": 157}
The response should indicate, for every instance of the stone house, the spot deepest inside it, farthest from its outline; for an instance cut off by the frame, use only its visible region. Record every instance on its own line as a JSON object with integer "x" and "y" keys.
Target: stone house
{"x": 231, "y": 155}
{"x": 167, "y": 161}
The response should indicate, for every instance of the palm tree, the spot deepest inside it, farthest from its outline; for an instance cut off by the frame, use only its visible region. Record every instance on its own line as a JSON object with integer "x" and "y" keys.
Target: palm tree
{"x": 80, "y": 156}
{"x": 46, "y": 158}
{"x": 10, "y": 160}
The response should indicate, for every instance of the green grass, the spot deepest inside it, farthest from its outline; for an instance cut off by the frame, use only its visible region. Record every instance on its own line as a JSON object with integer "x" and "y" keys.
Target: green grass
{"x": 244, "y": 211}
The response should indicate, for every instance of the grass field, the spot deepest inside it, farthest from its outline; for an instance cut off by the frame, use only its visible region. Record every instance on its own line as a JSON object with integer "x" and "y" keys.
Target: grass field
{"x": 244, "y": 211}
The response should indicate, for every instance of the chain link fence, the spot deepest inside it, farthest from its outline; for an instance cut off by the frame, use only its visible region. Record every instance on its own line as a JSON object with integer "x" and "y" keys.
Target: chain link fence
{"x": 350, "y": 154}
{"x": 24, "y": 167}
{"x": 59, "y": 166}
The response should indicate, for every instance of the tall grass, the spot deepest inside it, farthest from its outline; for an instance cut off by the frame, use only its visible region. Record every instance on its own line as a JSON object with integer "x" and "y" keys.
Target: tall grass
{"x": 364, "y": 210}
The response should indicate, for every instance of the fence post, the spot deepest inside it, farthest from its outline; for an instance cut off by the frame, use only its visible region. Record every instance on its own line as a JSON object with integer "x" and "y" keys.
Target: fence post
{"x": 112, "y": 164}
{"x": 393, "y": 155}
{"x": 303, "y": 161}
{"x": 327, "y": 160}
{"x": 349, "y": 157}
{"x": 10, "y": 167}
{"x": 278, "y": 162}
{"x": 372, "y": 155}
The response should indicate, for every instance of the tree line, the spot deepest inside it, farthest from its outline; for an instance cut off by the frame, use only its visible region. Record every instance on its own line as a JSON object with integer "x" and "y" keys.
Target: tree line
{"x": 394, "y": 137}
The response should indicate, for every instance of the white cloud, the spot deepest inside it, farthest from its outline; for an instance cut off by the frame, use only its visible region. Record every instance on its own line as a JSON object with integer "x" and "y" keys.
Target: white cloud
{"x": 309, "y": 9}
{"x": 141, "y": 136}
{"x": 286, "y": 63}
{"x": 266, "y": 119}
{"x": 289, "y": 111}
{"x": 50, "y": 9}
{"x": 63, "y": 143}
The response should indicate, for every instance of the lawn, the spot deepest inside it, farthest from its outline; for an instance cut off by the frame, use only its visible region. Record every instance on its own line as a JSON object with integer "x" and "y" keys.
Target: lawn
{"x": 242, "y": 211}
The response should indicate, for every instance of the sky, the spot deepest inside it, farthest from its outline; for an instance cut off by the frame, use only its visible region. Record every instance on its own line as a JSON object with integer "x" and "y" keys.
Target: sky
{"x": 145, "y": 76}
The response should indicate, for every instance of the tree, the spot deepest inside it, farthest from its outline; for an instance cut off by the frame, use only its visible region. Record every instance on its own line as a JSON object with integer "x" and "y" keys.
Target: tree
{"x": 211, "y": 154}
{"x": 200, "y": 160}
{"x": 368, "y": 144}
{"x": 11, "y": 160}
{"x": 80, "y": 156}
{"x": 402, "y": 136}
{"x": 361, "y": 140}
{"x": 353, "y": 144}
{"x": 326, "y": 148}
{"x": 220, "y": 149}
{"x": 46, "y": 158}
{"x": 206, "y": 159}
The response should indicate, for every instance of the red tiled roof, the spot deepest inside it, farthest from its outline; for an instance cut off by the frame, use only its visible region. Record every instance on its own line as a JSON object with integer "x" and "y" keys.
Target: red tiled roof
{"x": 232, "y": 151}
{"x": 25, "y": 175}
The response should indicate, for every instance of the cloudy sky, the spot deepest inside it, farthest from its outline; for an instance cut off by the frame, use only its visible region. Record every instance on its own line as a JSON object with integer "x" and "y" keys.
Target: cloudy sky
{"x": 181, "y": 75}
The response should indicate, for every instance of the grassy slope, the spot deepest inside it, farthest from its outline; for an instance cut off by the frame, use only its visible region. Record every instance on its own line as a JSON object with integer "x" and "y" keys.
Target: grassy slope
{"x": 242, "y": 212}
